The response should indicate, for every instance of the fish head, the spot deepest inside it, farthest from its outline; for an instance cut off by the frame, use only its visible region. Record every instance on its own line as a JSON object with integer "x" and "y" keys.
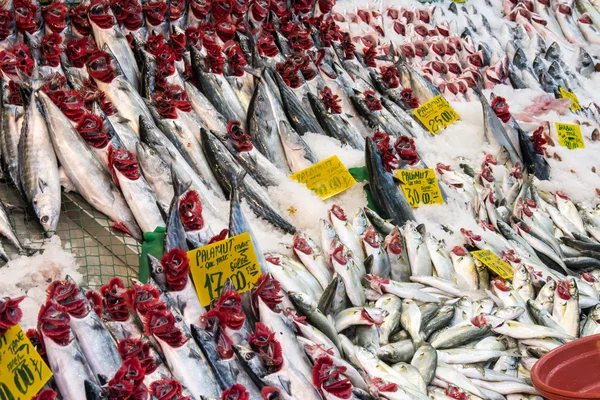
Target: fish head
{"x": 47, "y": 209}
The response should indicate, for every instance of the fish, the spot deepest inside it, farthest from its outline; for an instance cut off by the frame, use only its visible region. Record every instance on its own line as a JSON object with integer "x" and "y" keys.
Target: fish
{"x": 386, "y": 194}
{"x": 38, "y": 167}
{"x": 85, "y": 171}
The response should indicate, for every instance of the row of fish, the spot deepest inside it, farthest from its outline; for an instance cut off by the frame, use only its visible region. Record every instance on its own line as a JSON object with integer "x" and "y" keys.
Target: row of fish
{"x": 375, "y": 311}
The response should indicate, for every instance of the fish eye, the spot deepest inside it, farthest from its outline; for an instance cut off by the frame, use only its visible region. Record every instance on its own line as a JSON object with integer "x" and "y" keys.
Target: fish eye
{"x": 45, "y": 219}
{"x": 160, "y": 269}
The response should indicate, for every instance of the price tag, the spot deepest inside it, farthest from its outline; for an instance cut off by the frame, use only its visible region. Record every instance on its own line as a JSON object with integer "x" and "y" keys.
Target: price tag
{"x": 326, "y": 178}
{"x": 565, "y": 94}
{"x": 459, "y": 1}
{"x": 420, "y": 186}
{"x": 569, "y": 135}
{"x": 213, "y": 264}
{"x": 493, "y": 262}
{"x": 436, "y": 114}
{"x": 22, "y": 371}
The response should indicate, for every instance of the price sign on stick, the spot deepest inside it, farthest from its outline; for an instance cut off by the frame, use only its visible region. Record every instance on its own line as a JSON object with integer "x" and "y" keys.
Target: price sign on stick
{"x": 436, "y": 114}
{"x": 493, "y": 262}
{"x": 565, "y": 94}
{"x": 326, "y": 178}
{"x": 23, "y": 372}
{"x": 213, "y": 264}
{"x": 569, "y": 135}
{"x": 420, "y": 186}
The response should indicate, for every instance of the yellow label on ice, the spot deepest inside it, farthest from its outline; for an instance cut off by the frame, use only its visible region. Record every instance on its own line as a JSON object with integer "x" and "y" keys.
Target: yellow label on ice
{"x": 493, "y": 262}
{"x": 565, "y": 94}
{"x": 22, "y": 371}
{"x": 569, "y": 135}
{"x": 436, "y": 114}
{"x": 420, "y": 186}
{"x": 213, "y": 264}
{"x": 326, "y": 178}
{"x": 459, "y": 1}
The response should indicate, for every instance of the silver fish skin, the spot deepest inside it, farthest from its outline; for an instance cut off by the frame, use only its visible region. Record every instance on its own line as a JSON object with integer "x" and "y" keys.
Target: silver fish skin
{"x": 154, "y": 137}
{"x": 309, "y": 308}
{"x": 425, "y": 360}
{"x": 315, "y": 352}
{"x": 377, "y": 257}
{"x": 141, "y": 201}
{"x": 227, "y": 371}
{"x": 519, "y": 330}
{"x": 410, "y": 319}
{"x": 312, "y": 257}
{"x": 257, "y": 165}
{"x": 157, "y": 173}
{"x": 6, "y": 228}
{"x": 458, "y": 335}
{"x": 395, "y": 247}
{"x": 393, "y": 305}
{"x": 374, "y": 367}
{"x": 495, "y": 132}
{"x": 84, "y": 170}
{"x": 439, "y": 257}
{"x": 350, "y": 275}
{"x": 209, "y": 115}
{"x": 355, "y": 316}
{"x": 190, "y": 367}
{"x": 217, "y": 90}
{"x": 69, "y": 367}
{"x": 298, "y": 154}
{"x": 243, "y": 87}
{"x": 404, "y": 290}
{"x": 115, "y": 40}
{"x": 183, "y": 132}
{"x": 400, "y": 351}
{"x": 345, "y": 232}
{"x": 455, "y": 377}
{"x": 9, "y": 141}
{"x": 126, "y": 100}
{"x": 96, "y": 342}
{"x": 264, "y": 117}
{"x": 293, "y": 353}
{"x": 591, "y": 325}
{"x": 226, "y": 168}
{"x": 418, "y": 255}
{"x": 38, "y": 168}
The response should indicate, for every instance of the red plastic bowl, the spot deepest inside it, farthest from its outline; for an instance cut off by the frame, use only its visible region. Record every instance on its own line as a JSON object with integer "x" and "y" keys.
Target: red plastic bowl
{"x": 570, "y": 372}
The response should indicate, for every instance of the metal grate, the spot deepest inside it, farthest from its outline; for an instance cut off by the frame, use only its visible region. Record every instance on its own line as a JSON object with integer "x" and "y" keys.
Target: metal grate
{"x": 100, "y": 252}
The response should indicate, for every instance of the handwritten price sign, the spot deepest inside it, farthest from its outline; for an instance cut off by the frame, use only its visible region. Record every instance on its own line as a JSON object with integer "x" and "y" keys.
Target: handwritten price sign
{"x": 420, "y": 186}
{"x": 22, "y": 371}
{"x": 326, "y": 178}
{"x": 493, "y": 262}
{"x": 213, "y": 264}
{"x": 569, "y": 135}
{"x": 565, "y": 94}
{"x": 436, "y": 114}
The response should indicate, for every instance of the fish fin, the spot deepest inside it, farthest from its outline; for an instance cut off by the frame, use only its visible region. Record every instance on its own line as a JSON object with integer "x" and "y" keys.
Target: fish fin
{"x": 285, "y": 384}
{"x": 42, "y": 185}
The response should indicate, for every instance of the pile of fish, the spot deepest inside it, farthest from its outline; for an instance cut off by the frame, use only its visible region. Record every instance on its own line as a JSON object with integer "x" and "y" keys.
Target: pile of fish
{"x": 376, "y": 312}
{"x": 175, "y": 114}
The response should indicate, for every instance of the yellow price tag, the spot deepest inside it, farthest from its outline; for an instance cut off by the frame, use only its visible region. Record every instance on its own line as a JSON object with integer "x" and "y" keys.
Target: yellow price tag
{"x": 326, "y": 178}
{"x": 493, "y": 262}
{"x": 565, "y": 94}
{"x": 23, "y": 372}
{"x": 569, "y": 135}
{"x": 213, "y": 264}
{"x": 420, "y": 186}
{"x": 459, "y": 1}
{"x": 436, "y": 114}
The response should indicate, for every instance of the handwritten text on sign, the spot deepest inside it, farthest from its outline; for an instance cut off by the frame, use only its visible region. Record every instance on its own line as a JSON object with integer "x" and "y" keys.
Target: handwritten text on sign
{"x": 493, "y": 262}
{"x": 420, "y": 186}
{"x": 436, "y": 114}
{"x": 22, "y": 371}
{"x": 213, "y": 264}
{"x": 569, "y": 136}
{"x": 565, "y": 94}
{"x": 326, "y": 178}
